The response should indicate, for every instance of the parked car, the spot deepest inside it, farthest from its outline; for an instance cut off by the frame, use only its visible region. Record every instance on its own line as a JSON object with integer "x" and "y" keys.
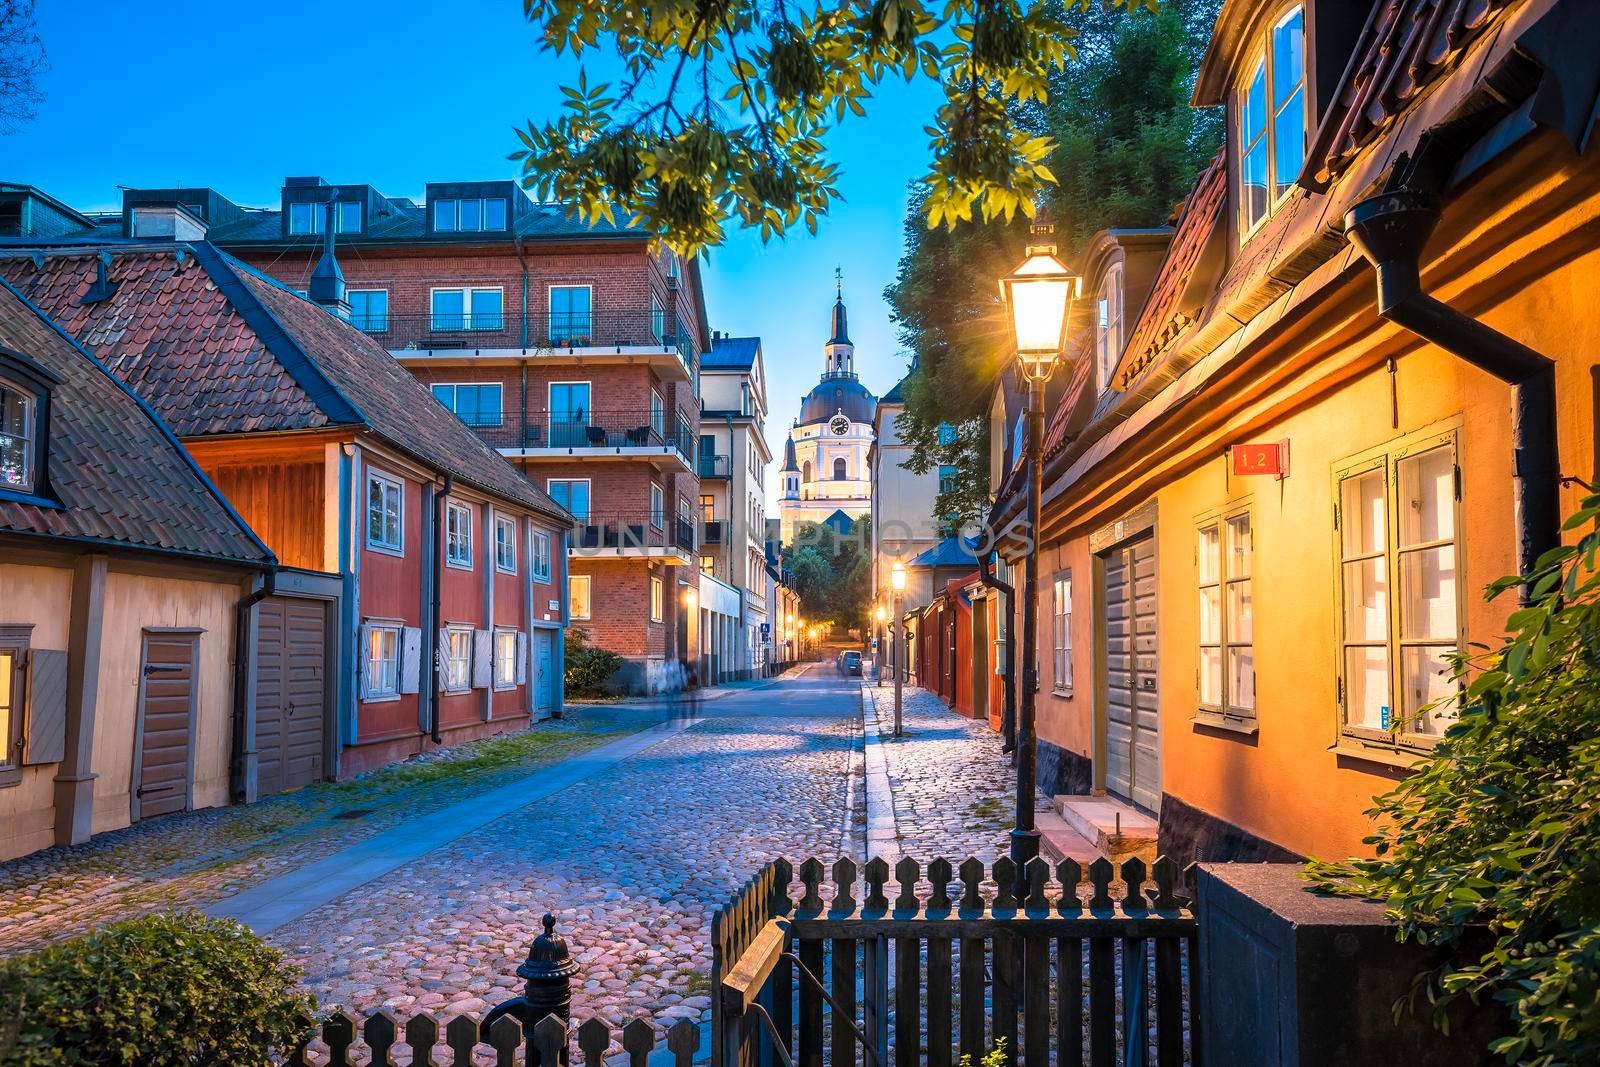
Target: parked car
{"x": 851, "y": 663}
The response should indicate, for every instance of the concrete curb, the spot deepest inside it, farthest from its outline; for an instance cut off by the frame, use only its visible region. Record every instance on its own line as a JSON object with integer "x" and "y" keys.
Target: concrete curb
{"x": 883, "y": 833}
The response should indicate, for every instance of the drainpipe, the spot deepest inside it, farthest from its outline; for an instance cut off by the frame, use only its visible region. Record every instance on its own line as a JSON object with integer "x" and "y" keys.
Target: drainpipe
{"x": 522, "y": 259}
{"x": 242, "y": 654}
{"x": 437, "y": 612}
{"x": 1390, "y": 229}
{"x": 1008, "y": 725}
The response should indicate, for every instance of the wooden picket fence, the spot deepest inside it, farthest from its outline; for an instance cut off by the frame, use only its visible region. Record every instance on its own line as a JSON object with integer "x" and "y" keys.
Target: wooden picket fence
{"x": 928, "y": 978}
{"x": 381, "y": 1037}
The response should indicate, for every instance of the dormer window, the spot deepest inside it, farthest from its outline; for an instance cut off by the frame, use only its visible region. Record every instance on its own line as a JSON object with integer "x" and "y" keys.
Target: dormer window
{"x": 307, "y": 218}
{"x": 19, "y": 436}
{"x": 1272, "y": 119}
{"x": 469, "y": 214}
{"x": 1108, "y": 326}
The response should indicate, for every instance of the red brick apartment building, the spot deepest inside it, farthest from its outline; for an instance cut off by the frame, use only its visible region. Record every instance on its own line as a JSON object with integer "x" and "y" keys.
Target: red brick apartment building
{"x": 572, "y": 350}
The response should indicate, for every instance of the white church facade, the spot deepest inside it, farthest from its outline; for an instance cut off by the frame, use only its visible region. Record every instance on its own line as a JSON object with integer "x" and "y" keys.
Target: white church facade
{"x": 825, "y": 476}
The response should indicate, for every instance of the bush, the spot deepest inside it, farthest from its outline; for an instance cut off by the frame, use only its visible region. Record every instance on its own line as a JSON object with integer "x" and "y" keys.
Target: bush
{"x": 1500, "y": 827}
{"x": 588, "y": 668}
{"x": 161, "y": 991}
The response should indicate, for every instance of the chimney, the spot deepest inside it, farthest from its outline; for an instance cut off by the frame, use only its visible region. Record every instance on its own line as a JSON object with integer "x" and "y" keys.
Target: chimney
{"x": 327, "y": 281}
{"x": 103, "y": 287}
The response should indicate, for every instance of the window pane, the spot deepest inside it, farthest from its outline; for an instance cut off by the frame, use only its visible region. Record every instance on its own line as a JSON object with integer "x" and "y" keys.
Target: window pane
{"x": 8, "y": 667}
{"x": 1207, "y": 562}
{"x": 16, "y": 432}
{"x": 1426, "y": 674}
{"x": 444, "y": 214}
{"x": 471, "y": 217}
{"x": 304, "y": 218}
{"x": 369, "y": 309}
{"x": 578, "y": 591}
{"x": 1366, "y": 600}
{"x": 486, "y": 305}
{"x": 349, "y": 219}
{"x": 1363, "y": 516}
{"x": 1254, "y": 183}
{"x": 1239, "y": 547}
{"x": 1428, "y": 593}
{"x": 1211, "y": 676}
{"x": 1210, "y": 615}
{"x": 1427, "y": 496}
{"x": 1367, "y": 687}
{"x": 1288, "y": 144}
{"x": 1242, "y": 678}
{"x": 1240, "y": 613}
{"x": 449, "y": 309}
{"x": 1288, "y": 57}
{"x": 1253, "y": 113}
{"x": 494, "y": 214}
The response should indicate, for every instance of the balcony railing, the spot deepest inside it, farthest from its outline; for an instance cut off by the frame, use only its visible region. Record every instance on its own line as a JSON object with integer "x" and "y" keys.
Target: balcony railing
{"x": 630, "y": 428}
{"x": 533, "y": 334}
{"x": 712, "y": 466}
{"x": 599, "y": 533}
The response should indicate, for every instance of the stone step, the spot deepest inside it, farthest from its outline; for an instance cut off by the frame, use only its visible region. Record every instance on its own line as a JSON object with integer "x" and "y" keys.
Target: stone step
{"x": 1059, "y": 841}
{"x": 1115, "y": 829}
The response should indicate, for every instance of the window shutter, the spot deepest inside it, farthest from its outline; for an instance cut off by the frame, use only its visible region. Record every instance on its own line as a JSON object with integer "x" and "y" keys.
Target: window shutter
{"x": 482, "y": 658}
{"x": 364, "y": 657}
{"x": 441, "y": 656}
{"x": 46, "y": 738}
{"x": 522, "y": 658}
{"x": 410, "y": 659}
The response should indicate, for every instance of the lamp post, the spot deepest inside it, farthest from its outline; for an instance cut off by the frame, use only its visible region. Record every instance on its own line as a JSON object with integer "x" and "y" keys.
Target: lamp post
{"x": 880, "y": 615}
{"x": 897, "y": 585}
{"x": 1039, "y": 296}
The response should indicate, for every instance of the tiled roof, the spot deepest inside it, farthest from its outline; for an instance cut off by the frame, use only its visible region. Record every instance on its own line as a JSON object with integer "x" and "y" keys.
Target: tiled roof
{"x": 1405, "y": 46}
{"x": 121, "y": 476}
{"x": 217, "y": 348}
{"x": 732, "y": 353}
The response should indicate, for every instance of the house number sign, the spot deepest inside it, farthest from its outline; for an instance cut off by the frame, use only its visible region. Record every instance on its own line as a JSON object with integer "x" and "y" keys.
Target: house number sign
{"x": 1271, "y": 458}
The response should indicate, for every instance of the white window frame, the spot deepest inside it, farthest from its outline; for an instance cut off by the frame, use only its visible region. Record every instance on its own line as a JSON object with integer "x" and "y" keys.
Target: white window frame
{"x": 541, "y": 556}
{"x": 1225, "y": 580}
{"x": 550, "y": 314}
{"x": 454, "y": 556}
{"x": 657, "y": 599}
{"x": 658, "y": 414}
{"x": 458, "y": 669}
{"x": 573, "y": 581}
{"x": 504, "y": 546}
{"x": 318, "y": 211}
{"x": 550, "y": 483}
{"x": 1261, "y": 60}
{"x": 502, "y": 661}
{"x": 658, "y": 507}
{"x": 1386, "y": 460}
{"x": 483, "y": 214}
{"x": 1109, "y": 311}
{"x": 387, "y": 481}
{"x": 499, "y": 418}
{"x": 364, "y": 323}
{"x": 383, "y": 674}
{"x": 29, "y": 438}
{"x": 1061, "y": 633}
{"x": 469, "y": 322}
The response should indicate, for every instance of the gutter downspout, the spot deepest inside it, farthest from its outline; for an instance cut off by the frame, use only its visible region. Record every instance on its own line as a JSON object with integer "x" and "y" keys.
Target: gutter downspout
{"x": 238, "y": 785}
{"x": 1390, "y": 230}
{"x": 1008, "y": 724}
{"x": 437, "y": 607}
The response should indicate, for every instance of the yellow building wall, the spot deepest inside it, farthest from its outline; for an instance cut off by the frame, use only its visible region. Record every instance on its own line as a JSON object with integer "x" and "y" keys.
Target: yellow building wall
{"x": 41, "y": 595}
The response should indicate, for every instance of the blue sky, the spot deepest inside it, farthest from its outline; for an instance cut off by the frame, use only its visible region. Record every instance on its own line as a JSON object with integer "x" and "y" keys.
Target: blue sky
{"x": 238, "y": 95}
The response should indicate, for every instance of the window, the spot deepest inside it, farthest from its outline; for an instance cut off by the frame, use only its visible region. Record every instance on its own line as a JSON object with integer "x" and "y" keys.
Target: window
{"x": 569, "y": 414}
{"x": 839, "y": 473}
{"x": 308, "y": 218}
{"x": 467, "y": 309}
{"x": 10, "y": 707}
{"x": 474, "y": 213}
{"x": 570, "y": 314}
{"x": 369, "y": 309}
{"x": 1062, "y": 633}
{"x": 1398, "y": 513}
{"x": 655, "y": 599}
{"x": 474, "y": 404}
{"x": 572, "y": 494}
{"x": 658, "y": 507}
{"x": 19, "y": 436}
{"x": 658, "y": 319}
{"x": 385, "y": 506}
{"x": 1272, "y": 124}
{"x": 578, "y": 594}
{"x": 708, "y": 565}
{"x": 708, "y": 508}
{"x": 383, "y": 661}
{"x": 505, "y": 659}
{"x": 805, "y": 471}
{"x": 505, "y": 544}
{"x": 541, "y": 556}
{"x": 1108, "y": 326}
{"x": 458, "y": 659}
{"x": 949, "y": 479}
{"x": 458, "y": 535}
{"x": 1223, "y": 555}
{"x": 658, "y": 414}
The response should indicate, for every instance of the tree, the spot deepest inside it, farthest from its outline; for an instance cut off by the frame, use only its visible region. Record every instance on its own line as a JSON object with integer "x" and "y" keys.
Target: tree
{"x": 833, "y": 574}
{"x": 724, "y": 106}
{"x": 22, "y": 64}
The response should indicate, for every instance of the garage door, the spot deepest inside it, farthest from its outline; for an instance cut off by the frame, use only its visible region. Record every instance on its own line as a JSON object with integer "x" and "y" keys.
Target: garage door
{"x": 291, "y": 679}
{"x": 1132, "y": 709}
{"x": 545, "y": 679}
{"x": 166, "y": 724}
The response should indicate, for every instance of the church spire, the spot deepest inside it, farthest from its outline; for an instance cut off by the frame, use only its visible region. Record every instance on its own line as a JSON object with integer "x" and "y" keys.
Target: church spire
{"x": 841, "y": 333}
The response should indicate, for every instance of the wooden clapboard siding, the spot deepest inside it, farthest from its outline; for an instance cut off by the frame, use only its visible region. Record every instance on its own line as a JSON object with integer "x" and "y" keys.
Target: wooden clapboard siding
{"x": 283, "y": 502}
{"x": 166, "y": 723}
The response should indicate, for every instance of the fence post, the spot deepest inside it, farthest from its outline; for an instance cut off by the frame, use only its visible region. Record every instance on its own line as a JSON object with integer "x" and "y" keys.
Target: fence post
{"x": 547, "y": 972}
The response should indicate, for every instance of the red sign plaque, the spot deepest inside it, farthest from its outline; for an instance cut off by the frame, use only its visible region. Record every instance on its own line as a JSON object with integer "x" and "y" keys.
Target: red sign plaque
{"x": 1270, "y": 458}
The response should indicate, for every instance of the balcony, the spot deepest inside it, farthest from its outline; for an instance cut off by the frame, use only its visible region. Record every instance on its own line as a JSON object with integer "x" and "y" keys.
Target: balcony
{"x": 713, "y": 466}
{"x": 633, "y": 533}
{"x": 602, "y": 333}
{"x": 631, "y": 433}
{"x": 714, "y": 531}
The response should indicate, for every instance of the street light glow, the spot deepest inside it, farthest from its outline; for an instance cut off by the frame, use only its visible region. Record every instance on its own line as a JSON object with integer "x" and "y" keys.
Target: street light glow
{"x": 897, "y": 577}
{"x": 1039, "y": 295}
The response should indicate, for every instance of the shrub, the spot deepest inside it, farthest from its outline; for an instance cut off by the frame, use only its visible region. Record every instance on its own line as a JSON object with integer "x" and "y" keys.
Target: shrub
{"x": 1500, "y": 826}
{"x": 588, "y": 667}
{"x": 160, "y": 991}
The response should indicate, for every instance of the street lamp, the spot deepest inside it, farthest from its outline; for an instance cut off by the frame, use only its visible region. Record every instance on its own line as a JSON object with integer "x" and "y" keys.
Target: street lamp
{"x": 897, "y": 585}
{"x": 1039, "y": 295}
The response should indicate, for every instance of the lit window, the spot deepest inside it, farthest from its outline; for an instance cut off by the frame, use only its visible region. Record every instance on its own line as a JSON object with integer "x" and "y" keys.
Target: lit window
{"x": 658, "y": 507}
{"x": 505, "y": 544}
{"x": 570, "y": 314}
{"x": 458, "y": 659}
{"x": 470, "y": 214}
{"x": 1108, "y": 326}
{"x": 578, "y": 594}
{"x": 458, "y": 535}
{"x": 467, "y": 309}
{"x": 383, "y": 661}
{"x": 474, "y": 404}
{"x": 1398, "y": 516}
{"x": 19, "y": 432}
{"x": 10, "y": 690}
{"x": 1223, "y": 556}
{"x": 541, "y": 557}
{"x": 369, "y": 309}
{"x": 307, "y": 218}
{"x": 1062, "y": 634}
{"x": 655, "y": 599}
{"x": 1272, "y": 125}
{"x": 505, "y": 658}
{"x": 708, "y": 565}
{"x": 385, "y": 503}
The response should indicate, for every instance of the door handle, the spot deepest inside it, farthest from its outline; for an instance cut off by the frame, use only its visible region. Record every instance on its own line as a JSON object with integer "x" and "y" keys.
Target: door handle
{"x": 162, "y": 668}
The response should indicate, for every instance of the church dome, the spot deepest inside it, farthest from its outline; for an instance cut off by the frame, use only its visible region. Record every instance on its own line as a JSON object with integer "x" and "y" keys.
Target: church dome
{"x": 834, "y": 394}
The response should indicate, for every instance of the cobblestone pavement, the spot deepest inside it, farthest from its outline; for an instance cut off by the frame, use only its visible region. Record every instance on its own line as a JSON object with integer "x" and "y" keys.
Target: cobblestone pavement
{"x": 953, "y": 787}
{"x": 191, "y": 859}
{"x": 631, "y": 861}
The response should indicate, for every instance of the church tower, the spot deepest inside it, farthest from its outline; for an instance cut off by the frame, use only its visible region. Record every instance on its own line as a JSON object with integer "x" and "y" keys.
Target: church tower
{"x": 839, "y": 355}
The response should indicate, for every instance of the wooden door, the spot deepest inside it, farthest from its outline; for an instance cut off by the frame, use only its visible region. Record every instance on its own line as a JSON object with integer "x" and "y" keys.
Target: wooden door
{"x": 291, "y": 683}
{"x": 980, "y": 660}
{"x": 545, "y": 679}
{"x": 1131, "y": 708}
{"x": 165, "y": 746}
